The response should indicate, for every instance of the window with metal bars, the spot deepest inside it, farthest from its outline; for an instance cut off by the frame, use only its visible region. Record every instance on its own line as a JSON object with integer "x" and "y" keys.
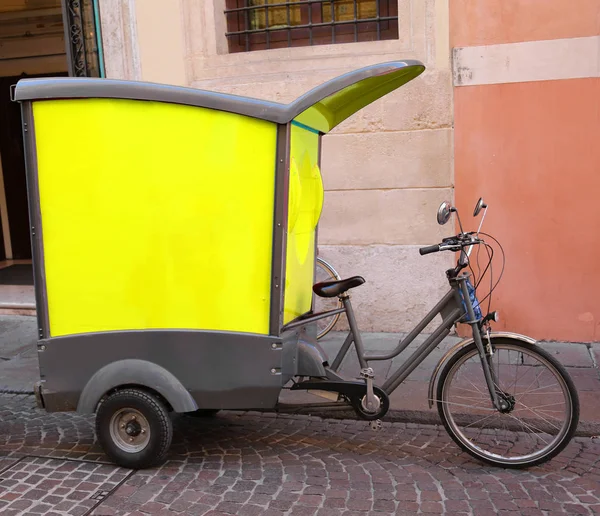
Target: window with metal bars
{"x": 265, "y": 24}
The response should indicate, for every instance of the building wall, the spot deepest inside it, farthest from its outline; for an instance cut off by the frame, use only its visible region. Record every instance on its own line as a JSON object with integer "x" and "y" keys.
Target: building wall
{"x": 527, "y": 115}
{"x": 385, "y": 170}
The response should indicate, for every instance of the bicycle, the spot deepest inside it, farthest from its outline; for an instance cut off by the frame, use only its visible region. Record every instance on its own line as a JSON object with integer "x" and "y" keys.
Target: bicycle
{"x": 501, "y": 397}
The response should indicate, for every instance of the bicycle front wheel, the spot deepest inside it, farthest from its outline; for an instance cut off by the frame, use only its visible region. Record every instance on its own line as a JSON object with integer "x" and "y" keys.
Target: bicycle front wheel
{"x": 543, "y": 406}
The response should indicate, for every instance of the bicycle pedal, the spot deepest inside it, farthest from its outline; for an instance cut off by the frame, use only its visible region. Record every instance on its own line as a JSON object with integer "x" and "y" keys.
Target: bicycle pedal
{"x": 376, "y": 425}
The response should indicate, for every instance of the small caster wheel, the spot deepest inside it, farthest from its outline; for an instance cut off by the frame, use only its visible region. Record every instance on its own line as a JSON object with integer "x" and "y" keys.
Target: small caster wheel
{"x": 203, "y": 413}
{"x": 134, "y": 429}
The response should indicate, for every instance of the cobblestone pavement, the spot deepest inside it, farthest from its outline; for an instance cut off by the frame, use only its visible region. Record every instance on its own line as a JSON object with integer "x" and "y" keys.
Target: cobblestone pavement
{"x": 255, "y": 464}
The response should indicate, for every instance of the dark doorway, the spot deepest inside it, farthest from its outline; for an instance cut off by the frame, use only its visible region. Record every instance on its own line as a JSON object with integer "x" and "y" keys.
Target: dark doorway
{"x": 16, "y": 275}
{"x": 13, "y": 168}
{"x": 2, "y": 252}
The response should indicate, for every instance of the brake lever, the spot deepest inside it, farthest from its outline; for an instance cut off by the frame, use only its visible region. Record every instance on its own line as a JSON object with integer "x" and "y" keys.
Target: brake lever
{"x": 458, "y": 243}
{"x": 451, "y": 247}
{"x": 472, "y": 242}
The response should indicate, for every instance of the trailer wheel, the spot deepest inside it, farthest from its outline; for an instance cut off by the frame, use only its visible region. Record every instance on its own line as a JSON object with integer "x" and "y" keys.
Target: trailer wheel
{"x": 134, "y": 428}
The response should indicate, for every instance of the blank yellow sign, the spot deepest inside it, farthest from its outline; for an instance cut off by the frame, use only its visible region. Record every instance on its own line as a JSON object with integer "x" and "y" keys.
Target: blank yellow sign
{"x": 154, "y": 216}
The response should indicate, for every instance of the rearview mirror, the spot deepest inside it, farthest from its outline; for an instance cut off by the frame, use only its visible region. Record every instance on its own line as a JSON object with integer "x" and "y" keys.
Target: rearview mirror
{"x": 444, "y": 212}
{"x": 479, "y": 206}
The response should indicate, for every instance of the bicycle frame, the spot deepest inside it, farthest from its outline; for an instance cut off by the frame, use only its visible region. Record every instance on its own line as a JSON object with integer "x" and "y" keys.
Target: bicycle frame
{"x": 452, "y": 311}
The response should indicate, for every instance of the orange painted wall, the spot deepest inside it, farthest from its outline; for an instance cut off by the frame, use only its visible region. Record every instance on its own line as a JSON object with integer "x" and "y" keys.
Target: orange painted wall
{"x": 532, "y": 150}
{"x": 487, "y": 22}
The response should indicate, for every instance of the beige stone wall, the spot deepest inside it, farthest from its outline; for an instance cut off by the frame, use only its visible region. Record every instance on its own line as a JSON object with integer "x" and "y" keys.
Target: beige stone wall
{"x": 119, "y": 39}
{"x": 385, "y": 170}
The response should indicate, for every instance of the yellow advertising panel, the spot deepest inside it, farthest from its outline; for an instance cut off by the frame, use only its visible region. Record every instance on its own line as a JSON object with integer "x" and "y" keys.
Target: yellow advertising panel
{"x": 305, "y": 204}
{"x": 154, "y": 215}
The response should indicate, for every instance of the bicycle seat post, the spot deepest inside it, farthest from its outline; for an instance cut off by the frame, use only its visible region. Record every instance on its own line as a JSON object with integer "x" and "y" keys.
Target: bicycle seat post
{"x": 365, "y": 371}
{"x": 358, "y": 343}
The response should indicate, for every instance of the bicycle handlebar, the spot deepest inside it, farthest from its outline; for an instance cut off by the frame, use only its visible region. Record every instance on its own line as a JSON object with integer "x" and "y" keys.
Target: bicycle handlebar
{"x": 429, "y": 249}
{"x": 455, "y": 243}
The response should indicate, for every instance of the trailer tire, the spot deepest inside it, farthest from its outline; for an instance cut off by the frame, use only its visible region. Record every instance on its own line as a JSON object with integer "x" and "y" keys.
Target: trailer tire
{"x": 134, "y": 428}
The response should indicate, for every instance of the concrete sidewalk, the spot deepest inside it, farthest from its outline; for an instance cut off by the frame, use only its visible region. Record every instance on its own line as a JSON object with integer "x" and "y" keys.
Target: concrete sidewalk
{"x": 18, "y": 355}
{"x": 19, "y": 370}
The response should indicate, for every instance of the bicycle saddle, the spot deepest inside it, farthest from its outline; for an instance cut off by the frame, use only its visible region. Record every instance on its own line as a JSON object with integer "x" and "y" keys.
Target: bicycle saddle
{"x": 335, "y": 288}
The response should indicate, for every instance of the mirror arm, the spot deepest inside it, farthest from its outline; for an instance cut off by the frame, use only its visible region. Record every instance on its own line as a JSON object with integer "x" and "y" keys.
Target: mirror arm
{"x": 482, "y": 219}
{"x": 458, "y": 217}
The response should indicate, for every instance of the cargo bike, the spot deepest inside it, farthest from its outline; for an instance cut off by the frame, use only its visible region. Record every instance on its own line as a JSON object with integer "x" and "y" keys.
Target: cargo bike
{"x": 174, "y": 233}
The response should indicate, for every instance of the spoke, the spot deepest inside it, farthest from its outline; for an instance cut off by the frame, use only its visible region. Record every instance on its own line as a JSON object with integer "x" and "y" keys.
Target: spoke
{"x": 534, "y": 380}
{"x": 501, "y": 383}
{"x": 547, "y": 413}
{"x": 540, "y": 415}
{"x": 468, "y": 406}
{"x": 532, "y": 430}
{"x": 470, "y": 397}
{"x": 543, "y": 418}
{"x": 516, "y": 371}
{"x": 551, "y": 405}
{"x": 470, "y": 391}
{"x": 474, "y": 386}
{"x": 504, "y": 424}
{"x": 536, "y": 393}
{"x": 497, "y": 367}
{"x": 522, "y": 424}
{"x": 540, "y": 388}
{"x": 495, "y": 413}
{"x": 535, "y": 430}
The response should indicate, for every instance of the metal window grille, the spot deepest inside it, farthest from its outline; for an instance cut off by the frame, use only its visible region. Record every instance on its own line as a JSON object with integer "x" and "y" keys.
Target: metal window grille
{"x": 266, "y": 24}
{"x": 82, "y": 36}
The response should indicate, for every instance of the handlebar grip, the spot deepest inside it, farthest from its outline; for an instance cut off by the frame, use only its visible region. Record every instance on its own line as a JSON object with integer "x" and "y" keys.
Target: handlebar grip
{"x": 429, "y": 249}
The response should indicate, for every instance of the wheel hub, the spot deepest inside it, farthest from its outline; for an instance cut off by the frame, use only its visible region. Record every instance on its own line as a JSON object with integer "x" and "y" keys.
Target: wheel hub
{"x": 130, "y": 430}
{"x": 507, "y": 402}
{"x": 133, "y": 429}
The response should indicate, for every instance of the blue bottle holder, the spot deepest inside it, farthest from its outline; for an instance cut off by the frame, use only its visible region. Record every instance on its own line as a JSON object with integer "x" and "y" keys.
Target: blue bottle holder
{"x": 474, "y": 302}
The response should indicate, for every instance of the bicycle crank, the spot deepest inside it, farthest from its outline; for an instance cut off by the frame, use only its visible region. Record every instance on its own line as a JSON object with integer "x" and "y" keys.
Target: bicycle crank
{"x": 376, "y": 425}
{"x": 376, "y": 410}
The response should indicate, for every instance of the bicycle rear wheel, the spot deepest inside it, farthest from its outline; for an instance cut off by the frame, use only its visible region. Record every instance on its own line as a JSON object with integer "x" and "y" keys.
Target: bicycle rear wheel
{"x": 543, "y": 406}
{"x": 325, "y": 272}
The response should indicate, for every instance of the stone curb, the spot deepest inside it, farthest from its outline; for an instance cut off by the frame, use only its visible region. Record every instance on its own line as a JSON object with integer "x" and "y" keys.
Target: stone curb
{"x": 417, "y": 417}
{"x": 422, "y": 417}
